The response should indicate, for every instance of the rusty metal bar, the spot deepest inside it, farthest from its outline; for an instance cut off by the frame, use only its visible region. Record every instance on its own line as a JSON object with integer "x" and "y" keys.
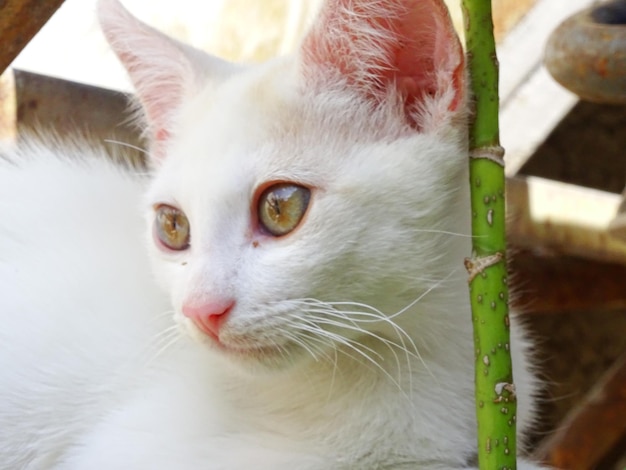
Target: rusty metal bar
{"x": 20, "y": 20}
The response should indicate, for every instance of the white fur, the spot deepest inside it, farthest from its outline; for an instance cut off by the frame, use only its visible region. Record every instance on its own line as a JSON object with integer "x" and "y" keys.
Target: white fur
{"x": 92, "y": 373}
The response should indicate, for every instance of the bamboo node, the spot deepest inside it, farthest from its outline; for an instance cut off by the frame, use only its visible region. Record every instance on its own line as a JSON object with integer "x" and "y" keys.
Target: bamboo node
{"x": 495, "y": 153}
{"x": 502, "y": 387}
{"x": 476, "y": 266}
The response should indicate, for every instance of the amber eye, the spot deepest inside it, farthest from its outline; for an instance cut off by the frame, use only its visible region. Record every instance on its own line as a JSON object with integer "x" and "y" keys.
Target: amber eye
{"x": 282, "y": 206}
{"x": 171, "y": 227}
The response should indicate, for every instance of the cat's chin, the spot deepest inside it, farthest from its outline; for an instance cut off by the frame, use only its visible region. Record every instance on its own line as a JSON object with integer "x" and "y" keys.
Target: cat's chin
{"x": 255, "y": 359}
{"x": 251, "y": 353}
{"x": 245, "y": 354}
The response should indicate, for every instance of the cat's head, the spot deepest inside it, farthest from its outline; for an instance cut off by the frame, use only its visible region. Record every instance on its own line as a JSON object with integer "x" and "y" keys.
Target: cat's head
{"x": 297, "y": 205}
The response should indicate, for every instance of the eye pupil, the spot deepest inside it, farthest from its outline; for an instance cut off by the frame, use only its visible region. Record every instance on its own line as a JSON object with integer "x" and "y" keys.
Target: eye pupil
{"x": 282, "y": 207}
{"x": 171, "y": 227}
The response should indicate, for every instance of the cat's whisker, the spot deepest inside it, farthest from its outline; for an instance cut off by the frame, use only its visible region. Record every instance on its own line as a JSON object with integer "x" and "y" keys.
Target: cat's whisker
{"x": 401, "y": 335}
{"x": 334, "y": 375}
{"x": 301, "y": 343}
{"x": 352, "y": 345}
{"x": 342, "y": 339}
{"x": 400, "y": 332}
{"x": 369, "y": 362}
{"x": 374, "y": 315}
{"x": 392, "y": 346}
{"x": 156, "y": 348}
{"x": 377, "y": 316}
{"x": 356, "y": 328}
{"x": 302, "y": 340}
{"x": 446, "y": 232}
{"x": 159, "y": 343}
{"x": 351, "y": 316}
{"x": 299, "y": 340}
{"x": 127, "y": 145}
{"x": 421, "y": 296}
{"x": 312, "y": 301}
{"x": 164, "y": 348}
{"x": 282, "y": 350}
{"x": 329, "y": 310}
{"x": 330, "y": 343}
{"x": 163, "y": 334}
{"x": 159, "y": 317}
{"x": 384, "y": 319}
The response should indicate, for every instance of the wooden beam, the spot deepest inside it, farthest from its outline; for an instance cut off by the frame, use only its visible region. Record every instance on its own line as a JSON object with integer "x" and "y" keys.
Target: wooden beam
{"x": 594, "y": 428}
{"x": 563, "y": 284}
{"x": 64, "y": 108}
{"x": 521, "y": 52}
{"x": 526, "y": 86}
{"x": 8, "y": 108}
{"x": 20, "y": 20}
{"x": 563, "y": 219}
{"x": 617, "y": 227}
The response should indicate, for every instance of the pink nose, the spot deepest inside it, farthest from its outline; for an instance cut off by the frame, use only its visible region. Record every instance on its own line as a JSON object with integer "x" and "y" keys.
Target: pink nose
{"x": 209, "y": 316}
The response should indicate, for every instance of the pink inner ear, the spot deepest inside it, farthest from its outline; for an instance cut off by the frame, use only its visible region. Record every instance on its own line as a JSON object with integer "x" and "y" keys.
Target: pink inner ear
{"x": 372, "y": 44}
{"x": 432, "y": 60}
{"x": 159, "y": 92}
{"x": 157, "y": 65}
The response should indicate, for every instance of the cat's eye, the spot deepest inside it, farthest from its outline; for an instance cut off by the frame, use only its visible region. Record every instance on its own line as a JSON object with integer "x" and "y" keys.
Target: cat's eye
{"x": 171, "y": 227}
{"x": 282, "y": 206}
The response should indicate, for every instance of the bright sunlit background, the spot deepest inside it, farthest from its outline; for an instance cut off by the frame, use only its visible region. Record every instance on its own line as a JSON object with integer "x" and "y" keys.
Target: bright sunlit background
{"x": 71, "y": 46}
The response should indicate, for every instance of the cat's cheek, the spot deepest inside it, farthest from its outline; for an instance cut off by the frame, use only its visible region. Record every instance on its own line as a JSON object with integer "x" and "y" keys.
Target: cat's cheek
{"x": 169, "y": 271}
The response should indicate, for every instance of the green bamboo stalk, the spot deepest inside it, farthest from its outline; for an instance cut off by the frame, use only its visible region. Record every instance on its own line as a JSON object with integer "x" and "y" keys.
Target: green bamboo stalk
{"x": 496, "y": 405}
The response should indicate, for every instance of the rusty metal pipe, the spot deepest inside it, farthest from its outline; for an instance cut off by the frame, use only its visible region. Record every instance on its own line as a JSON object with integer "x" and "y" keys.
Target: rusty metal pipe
{"x": 587, "y": 53}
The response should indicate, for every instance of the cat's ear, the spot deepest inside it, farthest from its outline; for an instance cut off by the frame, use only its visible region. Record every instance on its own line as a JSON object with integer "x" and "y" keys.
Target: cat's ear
{"x": 378, "y": 46}
{"x": 163, "y": 71}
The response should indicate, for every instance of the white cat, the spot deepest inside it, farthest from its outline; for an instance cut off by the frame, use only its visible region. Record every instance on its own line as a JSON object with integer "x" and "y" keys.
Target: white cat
{"x": 308, "y": 222}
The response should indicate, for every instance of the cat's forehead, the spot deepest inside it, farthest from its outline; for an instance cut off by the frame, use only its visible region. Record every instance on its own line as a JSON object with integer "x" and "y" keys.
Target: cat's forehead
{"x": 255, "y": 101}
{"x": 258, "y": 120}
{"x": 264, "y": 123}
